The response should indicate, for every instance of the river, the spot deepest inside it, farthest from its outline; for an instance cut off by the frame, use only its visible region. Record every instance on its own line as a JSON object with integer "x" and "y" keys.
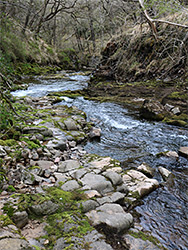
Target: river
{"x": 127, "y": 138}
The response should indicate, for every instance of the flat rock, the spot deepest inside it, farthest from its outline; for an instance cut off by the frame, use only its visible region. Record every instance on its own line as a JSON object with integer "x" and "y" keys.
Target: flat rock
{"x": 14, "y": 244}
{"x": 68, "y": 165}
{"x": 70, "y": 185}
{"x": 89, "y": 205}
{"x": 97, "y": 182}
{"x": 114, "y": 177}
{"x": 43, "y": 164}
{"x": 139, "y": 183}
{"x": 101, "y": 163}
{"x": 70, "y": 124}
{"x": 139, "y": 244}
{"x": 112, "y": 216}
{"x": 42, "y": 130}
{"x": 183, "y": 151}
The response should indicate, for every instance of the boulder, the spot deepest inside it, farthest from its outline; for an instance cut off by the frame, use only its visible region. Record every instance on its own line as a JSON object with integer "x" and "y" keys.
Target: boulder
{"x": 114, "y": 177}
{"x": 97, "y": 182}
{"x": 70, "y": 186}
{"x": 110, "y": 216}
{"x": 95, "y": 133}
{"x": 20, "y": 219}
{"x": 68, "y": 165}
{"x": 139, "y": 184}
{"x": 70, "y": 124}
{"x": 89, "y": 205}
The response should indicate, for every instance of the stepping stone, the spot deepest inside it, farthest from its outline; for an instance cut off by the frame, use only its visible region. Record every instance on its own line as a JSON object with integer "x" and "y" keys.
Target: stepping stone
{"x": 110, "y": 216}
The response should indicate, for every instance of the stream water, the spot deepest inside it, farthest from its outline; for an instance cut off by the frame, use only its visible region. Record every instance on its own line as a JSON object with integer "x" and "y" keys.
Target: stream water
{"x": 132, "y": 141}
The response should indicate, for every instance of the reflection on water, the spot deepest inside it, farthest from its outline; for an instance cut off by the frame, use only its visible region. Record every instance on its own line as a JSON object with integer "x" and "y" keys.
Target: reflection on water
{"x": 132, "y": 141}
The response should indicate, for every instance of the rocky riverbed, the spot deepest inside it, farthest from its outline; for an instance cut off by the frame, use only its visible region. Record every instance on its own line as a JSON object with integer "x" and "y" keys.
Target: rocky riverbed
{"x": 56, "y": 196}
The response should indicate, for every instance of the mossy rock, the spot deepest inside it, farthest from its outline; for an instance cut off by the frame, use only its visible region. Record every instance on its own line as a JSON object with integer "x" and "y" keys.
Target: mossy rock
{"x": 179, "y": 123}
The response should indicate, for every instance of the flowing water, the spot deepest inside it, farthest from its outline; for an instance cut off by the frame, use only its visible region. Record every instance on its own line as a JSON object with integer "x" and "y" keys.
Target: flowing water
{"x": 132, "y": 141}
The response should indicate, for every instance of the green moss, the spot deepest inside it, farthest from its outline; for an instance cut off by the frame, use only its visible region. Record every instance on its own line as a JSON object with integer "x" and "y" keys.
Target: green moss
{"x": 8, "y": 209}
{"x": 5, "y": 221}
{"x": 178, "y": 122}
{"x": 31, "y": 144}
{"x": 9, "y": 142}
{"x": 178, "y": 95}
{"x": 11, "y": 188}
{"x": 146, "y": 236}
{"x": 36, "y": 247}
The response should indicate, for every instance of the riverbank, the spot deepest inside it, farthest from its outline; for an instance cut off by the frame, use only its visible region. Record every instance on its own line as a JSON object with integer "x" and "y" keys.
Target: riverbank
{"x": 48, "y": 181}
{"x": 161, "y": 101}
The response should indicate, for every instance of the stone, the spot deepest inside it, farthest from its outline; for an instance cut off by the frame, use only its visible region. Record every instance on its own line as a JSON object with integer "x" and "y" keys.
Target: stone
{"x": 139, "y": 244}
{"x": 42, "y": 164}
{"x": 20, "y": 219}
{"x": 61, "y": 177}
{"x": 101, "y": 164}
{"x": 139, "y": 184}
{"x": 9, "y": 233}
{"x": 35, "y": 156}
{"x": 146, "y": 169}
{"x": 14, "y": 244}
{"x": 61, "y": 145}
{"x": 47, "y": 173}
{"x": 70, "y": 185}
{"x": 68, "y": 165}
{"x": 2, "y": 151}
{"x": 78, "y": 174}
{"x": 47, "y": 207}
{"x": 114, "y": 177}
{"x": 95, "y": 133}
{"x": 183, "y": 151}
{"x": 176, "y": 111}
{"x": 152, "y": 110}
{"x": 92, "y": 193}
{"x": 97, "y": 241}
{"x": 89, "y": 205}
{"x": 117, "y": 197}
{"x": 27, "y": 177}
{"x": 97, "y": 182}
{"x": 165, "y": 173}
{"x": 168, "y": 107}
{"x": 111, "y": 216}
{"x": 123, "y": 189}
{"x": 42, "y": 130}
{"x": 103, "y": 200}
{"x": 70, "y": 124}
{"x": 172, "y": 154}
{"x": 100, "y": 245}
